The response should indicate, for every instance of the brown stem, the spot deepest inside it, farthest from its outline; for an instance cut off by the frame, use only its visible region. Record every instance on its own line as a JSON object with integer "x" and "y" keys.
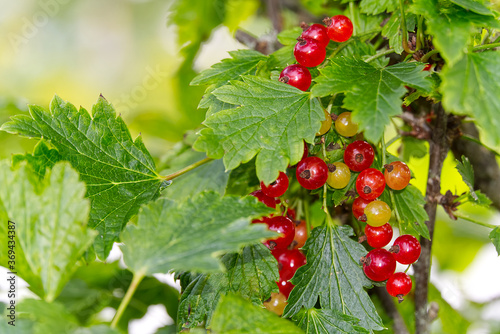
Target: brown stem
{"x": 438, "y": 148}
{"x": 274, "y": 13}
{"x": 399, "y": 325}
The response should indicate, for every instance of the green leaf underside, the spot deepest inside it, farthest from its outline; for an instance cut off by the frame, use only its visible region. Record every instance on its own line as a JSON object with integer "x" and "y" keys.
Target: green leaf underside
{"x": 119, "y": 172}
{"x": 272, "y": 122}
{"x": 50, "y": 225}
{"x": 467, "y": 172}
{"x": 252, "y": 273}
{"x": 373, "y": 94}
{"x": 410, "y": 205}
{"x": 190, "y": 234}
{"x": 495, "y": 238}
{"x": 333, "y": 274}
{"x": 471, "y": 86}
{"x": 325, "y": 321}
{"x": 235, "y": 315}
{"x": 42, "y": 158}
{"x": 451, "y": 24}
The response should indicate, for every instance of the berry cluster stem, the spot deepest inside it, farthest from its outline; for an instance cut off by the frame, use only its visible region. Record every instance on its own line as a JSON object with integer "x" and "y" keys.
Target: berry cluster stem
{"x": 136, "y": 280}
{"x": 186, "y": 169}
{"x": 403, "y": 27}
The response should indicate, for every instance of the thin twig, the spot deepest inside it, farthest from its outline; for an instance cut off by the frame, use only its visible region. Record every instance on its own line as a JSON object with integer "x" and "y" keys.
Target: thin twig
{"x": 186, "y": 169}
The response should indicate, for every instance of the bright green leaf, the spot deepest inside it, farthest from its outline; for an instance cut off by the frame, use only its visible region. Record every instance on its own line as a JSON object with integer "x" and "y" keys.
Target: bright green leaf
{"x": 474, "y": 6}
{"x": 325, "y": 321}
{"x": 392, "y": 30}
{"x": 373, "y": 94}
{"x": 465, "y": 169}
{"x": 289, "y": 37}
{"x": 50, "y": 224}
{"x": 235, "y": 315}
{"x": 495, "y": 238}
{"x": 190, "y": 234}
{"x": 481, "y": 199}
{"x": 471, "y": 87}
{"x": 272, "y": 122}
{"x": 374, "y": 7}
{"x": 252, "y": 273}
{"x": 119, "y": 172}
{"x": 334, "y": 274}
{"x": 42, "y": 158}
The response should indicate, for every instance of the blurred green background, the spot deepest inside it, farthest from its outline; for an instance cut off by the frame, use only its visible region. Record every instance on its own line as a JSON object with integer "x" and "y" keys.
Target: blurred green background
{"x": 141, "y": 55}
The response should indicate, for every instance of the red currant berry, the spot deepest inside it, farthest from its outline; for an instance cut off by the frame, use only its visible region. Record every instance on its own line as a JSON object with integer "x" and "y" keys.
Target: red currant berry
{"x": 300, "y": 235}
{"x": 312, "y": 173}
{"x": 378, "y": 264}
{"x": 316, "y": 32}
{"x": 358, "y": 155}
{"x": 358, "y": 208}
{"x": 339, "y": 28}
{"x": 281, "y": 225}
{"x": 406, "y": 249}
{"x": 291, "y": 213}
{"x": 308, "y": 52}
{"x": 297, "y": 76}
{"x": 263, "y": 198}
{"x": 277, "y": 188}
{"x": 285, "y": 287}
{"x": 339, "y": 175}
{"x": 288, "y": 263}
{"x": 397, "y": 175}
{"x": 370, "y": 183}
{"x": 276, "y": 303}
{"x": 378, "y": 236}
{"x": 427, "y": 67}
{"x": 399, "y": 285}
{"x": 306, "y": 151}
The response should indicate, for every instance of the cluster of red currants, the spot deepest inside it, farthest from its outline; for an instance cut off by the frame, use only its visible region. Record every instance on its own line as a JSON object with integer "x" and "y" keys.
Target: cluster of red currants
{"x": 310, "y": 50}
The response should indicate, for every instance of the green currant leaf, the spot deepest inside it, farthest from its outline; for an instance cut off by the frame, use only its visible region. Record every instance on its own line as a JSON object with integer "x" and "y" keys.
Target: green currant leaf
{"x": 119, "y": 172}
{"x": 189, "y": 234}
{"x": 409, "y": 203}
{"x": 289, "y": 36}
{"x": 42, "y": 158}
{"x": 392, "y": 30}
{"x": 495, "y": 238}
{"x": 471, "y": 86}
{"x": 325, "y": 321}
{"x": 374, "y": 7}
{"x": 333, "y": 274}
{"x": 235, "y": 315}
{"x": 474, "y": 6}
{"x": 50, "y": 225}
{"x": 482, "y": 199}
{"x": 373, "y": 94}
{"x": 465, "y": 169}
{"x": 413, "y": 147}
{"x": 451, "y": 25}
{"x": 271, "y": 123}
{"x": 253, "y": 273}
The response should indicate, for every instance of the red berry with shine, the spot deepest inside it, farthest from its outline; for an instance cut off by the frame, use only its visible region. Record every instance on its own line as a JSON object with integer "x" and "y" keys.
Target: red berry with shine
{"x": 312, "y": 172}
{"x": 263, "y": 198}
{"x": 285, "y": 287}
{"x": 378, "y": 264}
{"x": 308, "y": 52}
{"x": 399, "y": 285}
{"x": 297, "y": 76}
{"x": 288, "y": 263}
{"x": 358, "y": 155}
{"x": 283, "y": 225}
{"x": 300, "y": 235}
{"x": 358, "y": 208}
{"x": 397, "y": 175}
{"x": 370, "y": 183}
{"x": 378, "y": 236}
{"x": 317, "y": 32}
{"x": 339, "y": 28}
{"x": 276, "y": 188}
{"x": 406, "y": 249}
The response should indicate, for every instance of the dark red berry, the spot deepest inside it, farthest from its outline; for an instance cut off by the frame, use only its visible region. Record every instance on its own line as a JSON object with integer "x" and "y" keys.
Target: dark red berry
{"x": 358, "y": 155}
{"x": 283, "y": 225}
{"x": 285, "y": 287}
{"x": 339, "y": 28}
{"x": 370, "y": 183}
{"x": 378, "y": 264}
{"x": 312, "y": 173}
{"x": 358, "y": 208}
{"x": 308, "y": 52}
{"x": 263, "y": 198}
{"x": 406, "y": 249}
{"x": 378, "y": 236}
{"x": 427, "y": 67}
{"x": 318, "y": 33}
{"x": 276, "y": 188}
{"x": 288, "y": 263}
{"x": 306, "y": 151}
{"x": 297, "y": 76}
{"x": 399, "y": 285}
